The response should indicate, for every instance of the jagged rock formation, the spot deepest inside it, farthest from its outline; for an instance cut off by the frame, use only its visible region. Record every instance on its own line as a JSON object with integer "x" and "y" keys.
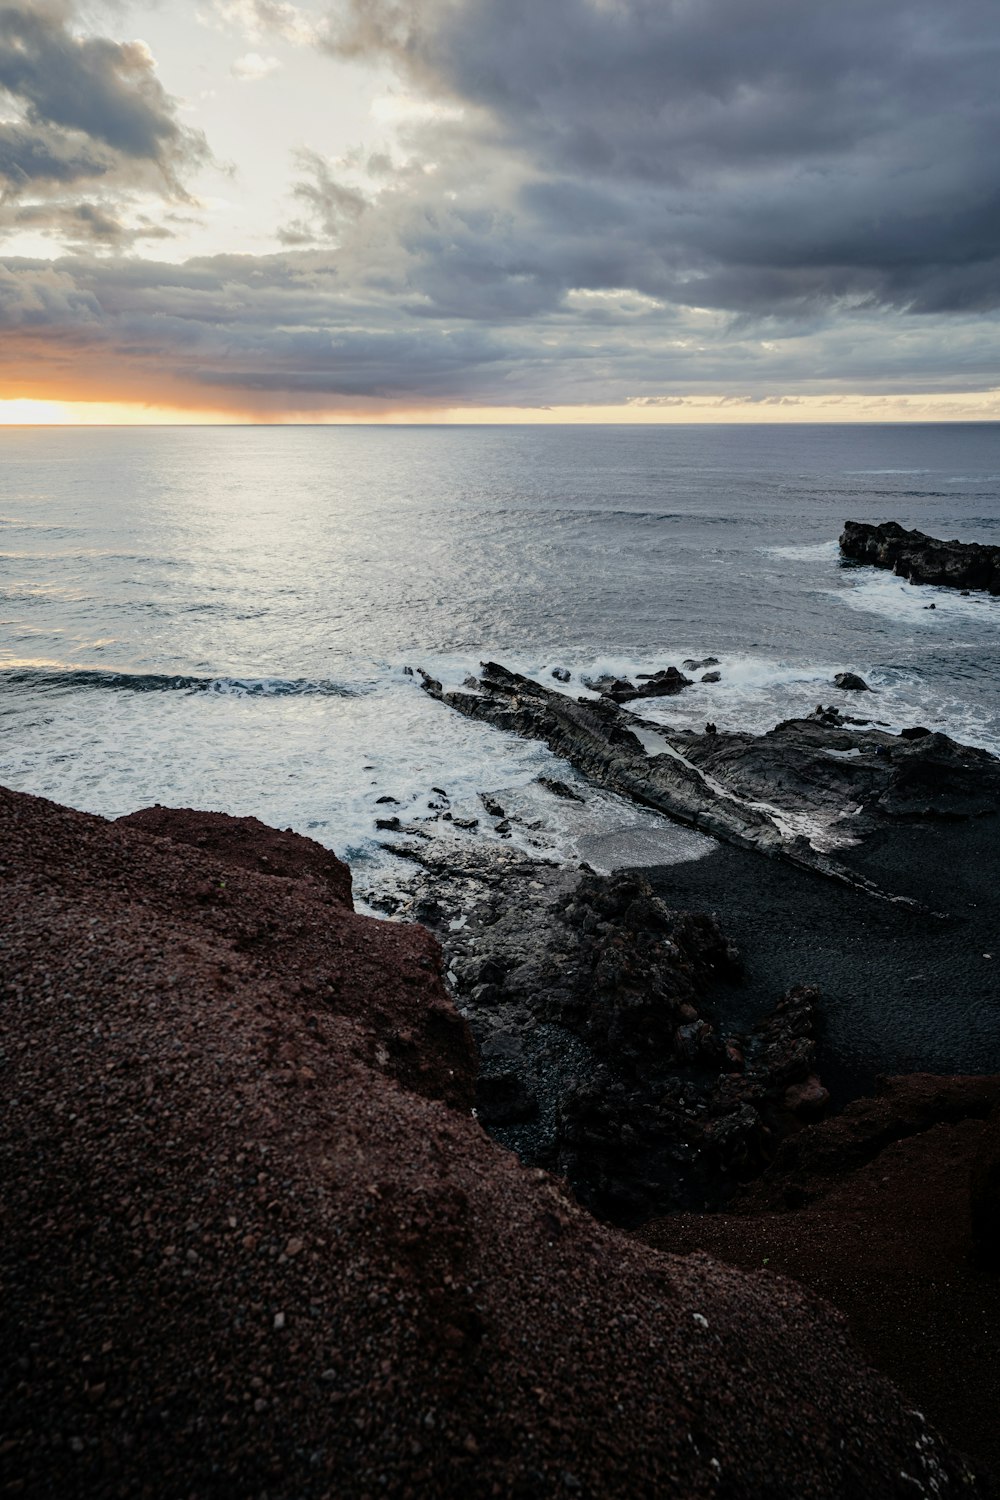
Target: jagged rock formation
{"x": 921, "y": 558}
{"x": 255, "y": 1244}
{"x": 593, "y": 1007}
{"x": 847, "y": 780}
{"x": 794, "y": 793}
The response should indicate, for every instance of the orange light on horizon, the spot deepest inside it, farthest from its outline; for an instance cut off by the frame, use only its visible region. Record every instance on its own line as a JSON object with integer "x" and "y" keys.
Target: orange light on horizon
{"x": 968, "y": 406}
{"x": 27, "y": 412}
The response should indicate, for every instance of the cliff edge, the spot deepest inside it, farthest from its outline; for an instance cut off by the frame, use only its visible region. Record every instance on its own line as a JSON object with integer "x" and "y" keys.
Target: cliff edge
{"x": 255, "y": 1243}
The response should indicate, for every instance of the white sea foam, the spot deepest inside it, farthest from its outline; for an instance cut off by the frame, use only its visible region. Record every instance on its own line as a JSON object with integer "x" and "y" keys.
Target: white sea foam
{"x": 880, "y": 592}
{"x": 820, "y": 552}
{"x": 316, "y": 763}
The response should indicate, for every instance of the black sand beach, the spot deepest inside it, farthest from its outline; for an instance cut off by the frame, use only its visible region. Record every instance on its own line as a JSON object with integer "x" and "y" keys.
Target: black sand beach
{"x": 903, "y": 991}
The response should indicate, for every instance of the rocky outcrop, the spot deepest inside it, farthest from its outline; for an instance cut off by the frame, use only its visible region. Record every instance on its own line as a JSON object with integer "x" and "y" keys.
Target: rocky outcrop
{"x": 795, "y": 793}
{"x": 850, "y": 682}
{"x": 663, "y": 684}
{"x": 255, "y": 1243}
{"x": 595, "y": 1011}
{"x": 921, "y": 558}
{"x": 847, "y": 780}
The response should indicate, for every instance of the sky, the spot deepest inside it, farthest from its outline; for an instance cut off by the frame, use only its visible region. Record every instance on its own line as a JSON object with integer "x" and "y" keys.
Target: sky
{"x": 499, "y": 210}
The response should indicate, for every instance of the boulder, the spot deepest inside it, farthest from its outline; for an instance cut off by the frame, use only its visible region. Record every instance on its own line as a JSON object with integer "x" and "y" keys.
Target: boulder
{"x": 850, "y": 682}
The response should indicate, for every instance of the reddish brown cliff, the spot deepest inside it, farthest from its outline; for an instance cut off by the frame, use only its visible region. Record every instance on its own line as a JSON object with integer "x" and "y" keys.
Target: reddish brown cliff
{"x": 255, "y": 1244}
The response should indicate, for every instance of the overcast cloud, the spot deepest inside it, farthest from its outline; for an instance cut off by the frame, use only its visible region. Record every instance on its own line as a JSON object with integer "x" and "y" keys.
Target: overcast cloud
{"x": 88, "y": 123}
{"x": 583, "y": 201}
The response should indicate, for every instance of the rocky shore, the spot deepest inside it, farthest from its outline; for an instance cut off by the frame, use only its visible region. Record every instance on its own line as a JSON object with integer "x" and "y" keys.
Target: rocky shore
{"x": 799, "y": 793}
{"x": 256, "y": 1243}
{"x": 923, "y": 559}
{"x": 258, "y": 1215}
{"x": 595, "y": 1011}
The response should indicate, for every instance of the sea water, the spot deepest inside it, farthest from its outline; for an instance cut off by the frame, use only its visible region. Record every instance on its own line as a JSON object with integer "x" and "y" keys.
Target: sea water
{"x": 224, "y": 617}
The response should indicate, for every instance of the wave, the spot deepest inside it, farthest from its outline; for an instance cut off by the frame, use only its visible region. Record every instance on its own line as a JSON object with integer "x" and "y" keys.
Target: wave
{"x": 87, "y": 678}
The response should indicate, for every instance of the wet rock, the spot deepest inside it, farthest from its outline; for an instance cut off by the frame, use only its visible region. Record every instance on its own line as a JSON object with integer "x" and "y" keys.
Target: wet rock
{"x": 560, "y": 789}
{"x": 922, "y": 558}
{"x": 754, "y": 791}
{"x": 712, "y": 677}
{"x": 850, "y": 682}
{"x": 661, "y": 684}
{"x": 696, "y": 666}
{"x": 561, "y": 674}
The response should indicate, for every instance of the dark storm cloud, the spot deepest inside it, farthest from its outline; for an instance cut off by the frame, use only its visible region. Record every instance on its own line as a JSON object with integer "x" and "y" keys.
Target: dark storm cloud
{"x": 285, "y": 333}
{"x": 92, "y": 113}
{"x": 103, "y": 90}
{"x": 617, "y": 200}
{"x": 748, "y": 154}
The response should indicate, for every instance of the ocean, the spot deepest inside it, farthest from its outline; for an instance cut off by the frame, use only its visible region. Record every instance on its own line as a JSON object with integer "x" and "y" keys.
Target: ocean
{"x": 224, "y": 617}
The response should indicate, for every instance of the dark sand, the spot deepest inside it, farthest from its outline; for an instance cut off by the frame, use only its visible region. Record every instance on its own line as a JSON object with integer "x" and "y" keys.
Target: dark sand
{"x": 903, "y": 991}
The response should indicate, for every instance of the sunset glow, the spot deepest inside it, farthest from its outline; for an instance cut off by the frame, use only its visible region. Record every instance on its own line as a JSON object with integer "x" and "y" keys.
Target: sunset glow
{"x": 233, "y": 211}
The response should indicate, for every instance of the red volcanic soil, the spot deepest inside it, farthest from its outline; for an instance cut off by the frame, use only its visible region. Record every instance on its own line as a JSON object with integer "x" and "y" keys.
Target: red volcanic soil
{"x": 254, "y": 1244}
{"x": 882, "y": 1226}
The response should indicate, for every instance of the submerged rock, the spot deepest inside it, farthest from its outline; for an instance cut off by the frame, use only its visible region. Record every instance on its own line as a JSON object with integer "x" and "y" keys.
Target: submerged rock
{"x": 560, "y": 789}
{"x": 921, "y": 558}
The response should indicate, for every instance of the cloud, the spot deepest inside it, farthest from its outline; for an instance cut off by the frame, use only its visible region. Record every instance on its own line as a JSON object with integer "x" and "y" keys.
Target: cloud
{"x": 289, "y": 333}
{"x": 331, "y": 205}
{"x": 92, "y": 224}
{"x": 747, "y": 154}
{"x": 251, "y": 67}
{"x": 88, "y": 112}
{"x": 607, "y": 201}
{"x": 259, "y": 18}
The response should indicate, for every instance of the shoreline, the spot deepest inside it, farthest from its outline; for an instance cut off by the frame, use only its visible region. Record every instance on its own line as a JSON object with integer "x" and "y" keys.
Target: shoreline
{"x": 901, "y": 993}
